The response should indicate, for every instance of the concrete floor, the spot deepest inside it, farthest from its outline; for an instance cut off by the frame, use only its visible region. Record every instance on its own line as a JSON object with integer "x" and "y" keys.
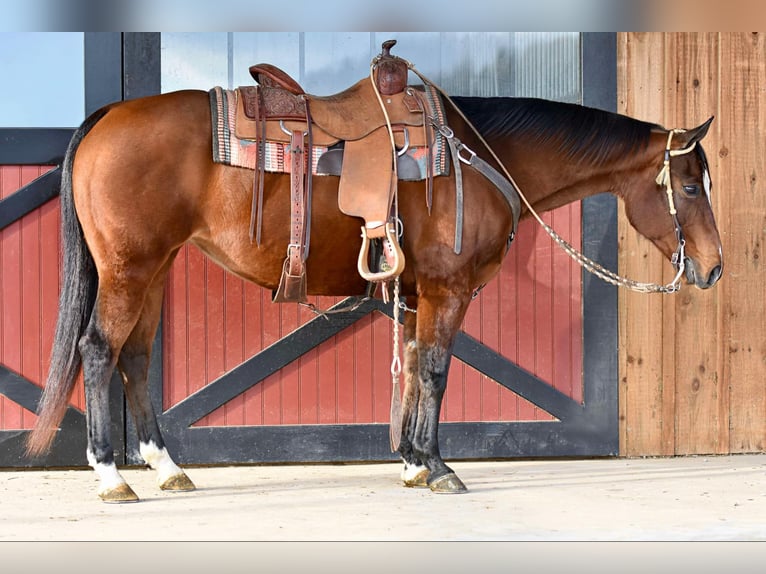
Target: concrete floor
{"x": 677, "y": 499}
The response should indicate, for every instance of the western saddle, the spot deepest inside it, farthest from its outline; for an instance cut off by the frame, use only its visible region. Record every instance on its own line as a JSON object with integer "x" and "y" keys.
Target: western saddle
{"x": 366, "y": 127}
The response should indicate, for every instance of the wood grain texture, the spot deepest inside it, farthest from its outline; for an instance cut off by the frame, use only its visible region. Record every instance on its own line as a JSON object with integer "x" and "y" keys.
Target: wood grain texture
{"x": 29, "y": 285}
{"x": 692, "y": 365}
{"x": 741, "y": 160}
{"x": 646, "y": 396}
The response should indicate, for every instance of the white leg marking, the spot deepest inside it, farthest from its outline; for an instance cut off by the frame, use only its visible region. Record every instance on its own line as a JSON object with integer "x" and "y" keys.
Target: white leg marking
{"x": 108, "y": 474}
{"x": 410, "y": 471}
{"x": 159, "y": 460}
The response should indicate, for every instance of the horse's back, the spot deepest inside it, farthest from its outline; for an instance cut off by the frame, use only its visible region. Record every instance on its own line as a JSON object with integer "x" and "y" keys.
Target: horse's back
{"x": 163, "y": 123}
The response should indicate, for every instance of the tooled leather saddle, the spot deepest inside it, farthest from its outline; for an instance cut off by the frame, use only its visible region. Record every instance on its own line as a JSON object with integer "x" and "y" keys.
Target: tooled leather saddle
{"x": 365, "y": 127}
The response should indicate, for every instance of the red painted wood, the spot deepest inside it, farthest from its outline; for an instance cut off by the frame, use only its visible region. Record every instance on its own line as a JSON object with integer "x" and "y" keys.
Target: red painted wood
{"x": 29, "y": 285}
{"x": 380, "y": 367}
{"x": 291, "y": 374}
{"x": 327, "y": 384}
{"x": 253, "y": 337}
{"x": 174, "y": 333}
{"x": 213, "y": 321}
{"x": 490, "y": 391}
{"x": 363, "y": 349}
{"x": 530, "y": 313}
{"x": 10, "y": 306}
{"x": 31, "y": 353}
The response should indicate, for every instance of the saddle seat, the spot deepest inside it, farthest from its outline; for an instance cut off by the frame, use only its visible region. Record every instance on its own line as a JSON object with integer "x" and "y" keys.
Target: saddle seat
{"x": 350, "y": 115}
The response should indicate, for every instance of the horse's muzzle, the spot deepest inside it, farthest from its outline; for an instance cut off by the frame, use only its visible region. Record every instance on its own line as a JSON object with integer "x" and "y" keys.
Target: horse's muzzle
{"x": 700, "y": 280}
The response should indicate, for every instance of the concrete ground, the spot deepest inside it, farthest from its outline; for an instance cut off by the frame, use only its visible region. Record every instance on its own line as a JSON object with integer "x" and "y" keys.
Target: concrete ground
{"x": 682, "y": 499}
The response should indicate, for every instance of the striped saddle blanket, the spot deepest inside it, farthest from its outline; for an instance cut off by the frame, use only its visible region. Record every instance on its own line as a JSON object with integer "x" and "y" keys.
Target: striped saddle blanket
{"x": 231, "y": 150}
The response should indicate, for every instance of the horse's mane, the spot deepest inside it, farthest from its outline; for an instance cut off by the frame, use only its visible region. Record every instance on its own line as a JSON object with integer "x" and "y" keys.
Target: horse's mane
{"x": 580, "y": 133}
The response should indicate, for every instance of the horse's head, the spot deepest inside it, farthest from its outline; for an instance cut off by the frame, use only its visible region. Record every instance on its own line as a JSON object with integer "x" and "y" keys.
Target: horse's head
{"x": 674, "y": 211}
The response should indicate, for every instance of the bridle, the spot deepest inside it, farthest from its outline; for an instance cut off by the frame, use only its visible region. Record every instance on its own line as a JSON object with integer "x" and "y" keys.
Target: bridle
{"x": 663, "y": 178}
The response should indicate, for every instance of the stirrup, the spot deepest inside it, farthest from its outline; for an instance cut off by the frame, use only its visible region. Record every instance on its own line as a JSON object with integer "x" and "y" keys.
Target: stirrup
{"x": 394, "y": 270}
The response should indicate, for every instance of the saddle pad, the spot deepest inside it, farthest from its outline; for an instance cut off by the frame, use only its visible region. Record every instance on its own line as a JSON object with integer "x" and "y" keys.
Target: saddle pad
{"x": 228, "y": 149}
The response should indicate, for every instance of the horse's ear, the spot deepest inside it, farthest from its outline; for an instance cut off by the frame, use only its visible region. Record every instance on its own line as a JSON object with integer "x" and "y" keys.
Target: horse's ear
{"x": 695, "y": 134}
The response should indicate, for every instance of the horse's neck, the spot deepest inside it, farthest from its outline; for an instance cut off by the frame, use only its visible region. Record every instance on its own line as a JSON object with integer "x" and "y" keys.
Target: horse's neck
{"x": 560, "y": 182}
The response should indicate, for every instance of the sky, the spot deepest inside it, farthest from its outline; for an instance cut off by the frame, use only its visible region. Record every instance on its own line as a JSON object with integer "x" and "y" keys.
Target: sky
{"x": 41, "y": 79}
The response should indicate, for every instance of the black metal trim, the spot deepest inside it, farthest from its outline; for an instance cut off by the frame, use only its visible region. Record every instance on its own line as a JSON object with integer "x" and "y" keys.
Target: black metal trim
{"x": 142, "y": 72}
{"x": 12, "y": 448}
{"x": 30, "y": 197}
{"x": 599, "y": 240}
{"x": 33, "y": 146}
{"x": 103, "y": 69}
{"x": 369, "y": 442}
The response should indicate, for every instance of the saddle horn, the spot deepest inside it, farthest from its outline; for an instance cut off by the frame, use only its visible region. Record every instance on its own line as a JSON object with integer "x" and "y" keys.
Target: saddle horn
{"x": 391, "y": 71}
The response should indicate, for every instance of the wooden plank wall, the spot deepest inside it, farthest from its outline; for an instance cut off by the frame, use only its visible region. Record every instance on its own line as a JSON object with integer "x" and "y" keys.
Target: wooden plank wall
{"x": 693, "y": 365}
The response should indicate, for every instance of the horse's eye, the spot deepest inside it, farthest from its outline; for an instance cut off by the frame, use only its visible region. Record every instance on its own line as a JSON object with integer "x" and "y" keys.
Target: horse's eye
{"x": 693, "y": 190}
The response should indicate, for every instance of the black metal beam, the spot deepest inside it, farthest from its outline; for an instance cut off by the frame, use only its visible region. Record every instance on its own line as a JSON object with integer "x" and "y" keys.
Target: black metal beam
{"x": 30, "y": 197}
{"x": 370, "y": 442}
{"x": 103, "y": 69}
{"x": 141, "y": 64}
{"x": 19, "y": 389}
{"x": 67, "y": 450}
{"x": 599, "y": 225}
{"x": 33, "y": 146}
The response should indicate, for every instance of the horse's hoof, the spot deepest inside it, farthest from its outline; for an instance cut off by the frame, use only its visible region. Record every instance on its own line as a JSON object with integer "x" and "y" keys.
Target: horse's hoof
{"x": 119, "y": 495}
{"x": 178, "y": 483}
{"x": 419, "y": 480}
{"x": 448, "y": 484}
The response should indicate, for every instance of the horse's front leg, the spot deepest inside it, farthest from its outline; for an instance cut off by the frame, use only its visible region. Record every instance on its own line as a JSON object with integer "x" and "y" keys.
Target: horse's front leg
{"x": 414, "y": 472}
{"x": 438, "y": 320}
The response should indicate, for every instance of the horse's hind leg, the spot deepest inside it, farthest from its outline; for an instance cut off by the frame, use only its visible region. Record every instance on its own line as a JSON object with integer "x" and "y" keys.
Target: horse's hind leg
{"x": 438, "y": 320}
{"x": 134, "y": 367}
{"x": 99, "y": 347}
{"x": 414, "y": 472}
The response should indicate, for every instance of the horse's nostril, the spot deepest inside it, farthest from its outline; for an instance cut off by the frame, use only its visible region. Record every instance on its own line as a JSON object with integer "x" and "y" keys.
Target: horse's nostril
{"x": 715, "y": 275}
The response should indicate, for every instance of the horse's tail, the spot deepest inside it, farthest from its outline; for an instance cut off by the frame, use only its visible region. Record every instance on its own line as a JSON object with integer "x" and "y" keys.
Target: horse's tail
{"x": 76, "y": 301}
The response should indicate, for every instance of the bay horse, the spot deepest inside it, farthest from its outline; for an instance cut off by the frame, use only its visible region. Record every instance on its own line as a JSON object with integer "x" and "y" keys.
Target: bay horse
{"x": 139, "y": 182}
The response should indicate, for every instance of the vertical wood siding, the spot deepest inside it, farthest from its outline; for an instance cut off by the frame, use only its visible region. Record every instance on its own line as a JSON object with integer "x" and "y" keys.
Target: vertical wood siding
{"x": 29, "y": 286}
{"x": 693, "y": 365}
{"x": 530, "y": 313}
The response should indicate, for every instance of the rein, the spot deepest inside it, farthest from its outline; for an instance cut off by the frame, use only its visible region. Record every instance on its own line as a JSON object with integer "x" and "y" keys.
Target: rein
{"x": 663, "y": 178}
